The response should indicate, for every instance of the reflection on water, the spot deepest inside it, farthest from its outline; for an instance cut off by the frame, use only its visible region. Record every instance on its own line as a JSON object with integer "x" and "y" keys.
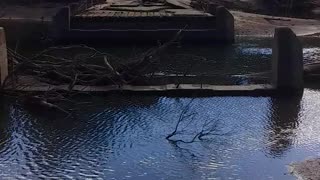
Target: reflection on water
{"x": 283, "y": 122}
{"x": 123, "y": 137}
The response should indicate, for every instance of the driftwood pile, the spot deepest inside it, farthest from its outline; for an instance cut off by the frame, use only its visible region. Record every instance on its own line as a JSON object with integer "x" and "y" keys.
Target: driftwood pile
{"x": 86, "y": 70}
{"x": 92, "y": 68}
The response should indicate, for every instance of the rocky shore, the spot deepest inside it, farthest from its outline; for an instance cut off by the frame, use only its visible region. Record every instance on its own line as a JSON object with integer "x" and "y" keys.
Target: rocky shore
{"x": 306, "y": 170}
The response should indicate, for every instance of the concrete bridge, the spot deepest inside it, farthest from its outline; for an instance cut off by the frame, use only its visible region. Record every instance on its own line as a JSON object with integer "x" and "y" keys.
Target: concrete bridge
{"x": 140, "y": 21}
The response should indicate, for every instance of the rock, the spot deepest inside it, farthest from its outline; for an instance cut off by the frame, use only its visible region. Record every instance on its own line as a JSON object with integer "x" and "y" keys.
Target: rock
{"x": 306, "y": 170}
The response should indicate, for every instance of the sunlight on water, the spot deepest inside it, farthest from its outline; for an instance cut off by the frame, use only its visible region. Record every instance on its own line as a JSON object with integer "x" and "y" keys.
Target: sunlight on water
{"x": 124, "y": 137}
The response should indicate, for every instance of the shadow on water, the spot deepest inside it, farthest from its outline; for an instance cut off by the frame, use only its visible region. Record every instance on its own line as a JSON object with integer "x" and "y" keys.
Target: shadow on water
{"x": 4, "y": 120}
{"x": 64, "y": 137}
{"x": 284, "y": 120}
{"x": 118, "y": 134}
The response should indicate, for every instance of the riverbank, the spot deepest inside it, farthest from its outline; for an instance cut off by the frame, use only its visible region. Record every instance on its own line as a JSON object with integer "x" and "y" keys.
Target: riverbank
{"x": 248, "y": 24}
{"x": 308, "y": 169}
{"x": 15, "y": 17}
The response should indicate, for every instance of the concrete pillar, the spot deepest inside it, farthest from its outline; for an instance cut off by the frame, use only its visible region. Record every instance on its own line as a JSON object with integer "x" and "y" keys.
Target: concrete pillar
{"x": 287, "y": 61}
{"x": 61, "y": 23}
{"x": 3, "y": 56}
{"x": 225, "y": 24}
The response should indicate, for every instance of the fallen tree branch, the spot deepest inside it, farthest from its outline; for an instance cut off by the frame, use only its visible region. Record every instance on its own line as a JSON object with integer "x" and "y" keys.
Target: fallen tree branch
{"x": 210, "y": 127}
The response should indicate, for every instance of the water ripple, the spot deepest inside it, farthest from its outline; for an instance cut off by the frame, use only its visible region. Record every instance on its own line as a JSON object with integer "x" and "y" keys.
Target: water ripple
{"x": 123, "y": 136}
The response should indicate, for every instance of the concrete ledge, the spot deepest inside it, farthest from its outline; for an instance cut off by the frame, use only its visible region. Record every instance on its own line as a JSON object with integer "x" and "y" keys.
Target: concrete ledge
{"x": 168, "y": 89}
{"x": 140, "y": 35}
{"x": 3, "y": 57}
{"x": 148, "y": 22}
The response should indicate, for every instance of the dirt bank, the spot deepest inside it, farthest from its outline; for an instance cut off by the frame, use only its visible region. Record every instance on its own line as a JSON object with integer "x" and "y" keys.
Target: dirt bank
{"x": 306, "y": 170}
{"x": 250, "y": 24}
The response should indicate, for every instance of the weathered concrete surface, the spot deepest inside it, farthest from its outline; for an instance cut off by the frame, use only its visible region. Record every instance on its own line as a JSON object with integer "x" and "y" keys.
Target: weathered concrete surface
{"x": 152, "y": 21}
{"x": 142, "y": 36}
{"x": 28, "y": 83}
{"x": 306, "y": 170}
{"x": 162, "y": 25}
{"x": 3, "y": 57}
{"x": 178, "y": 3}
{"x": 287, "y": 60}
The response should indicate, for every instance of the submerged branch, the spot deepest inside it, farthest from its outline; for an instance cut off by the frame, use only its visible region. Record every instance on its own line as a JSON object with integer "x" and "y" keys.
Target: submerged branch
{"x": 210, "y": 127}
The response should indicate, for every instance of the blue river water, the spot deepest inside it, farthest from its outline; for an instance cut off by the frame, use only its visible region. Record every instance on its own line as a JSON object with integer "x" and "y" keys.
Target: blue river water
{"x": 119, "y": 136}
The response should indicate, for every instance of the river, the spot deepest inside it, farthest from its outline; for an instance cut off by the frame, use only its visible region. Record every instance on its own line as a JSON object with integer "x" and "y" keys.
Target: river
{"x": 124, "y": 136}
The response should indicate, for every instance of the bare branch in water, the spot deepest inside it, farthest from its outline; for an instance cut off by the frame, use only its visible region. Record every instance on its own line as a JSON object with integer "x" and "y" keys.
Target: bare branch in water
{"x": 211, "y": 127}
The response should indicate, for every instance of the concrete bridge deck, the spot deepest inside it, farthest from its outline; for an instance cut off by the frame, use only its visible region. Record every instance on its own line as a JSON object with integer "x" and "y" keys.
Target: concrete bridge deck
{"x": 155, "y": 9}
{"x": 144, "y": 21}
